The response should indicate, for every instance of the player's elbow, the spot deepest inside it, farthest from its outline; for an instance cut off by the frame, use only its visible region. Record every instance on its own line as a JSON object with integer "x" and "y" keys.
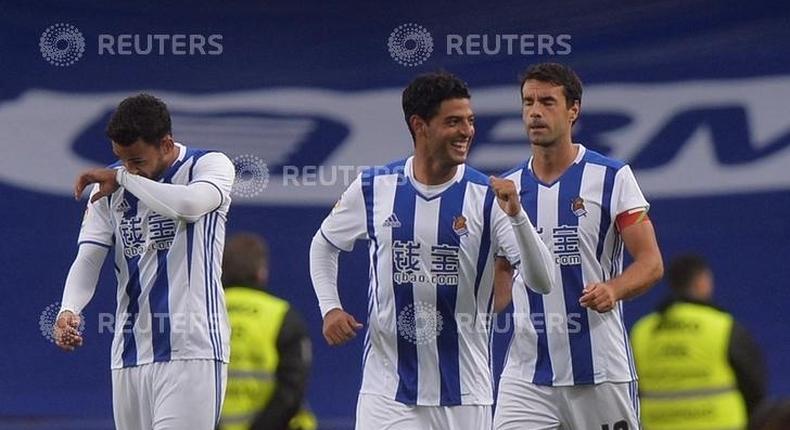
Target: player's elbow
{"x": 656, "y": 270}
{"x": 542, "y": 285}
{"x": 191, "y": 210}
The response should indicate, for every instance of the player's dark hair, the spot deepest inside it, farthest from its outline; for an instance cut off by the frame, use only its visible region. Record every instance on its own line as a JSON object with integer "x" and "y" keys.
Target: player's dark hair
{"x": 139, "y": 117}
{"x": 557, "y": 74}
{"x": 426, "y": 93}
{"x": 683, "y": 270}
{"x": 244, "y": 256}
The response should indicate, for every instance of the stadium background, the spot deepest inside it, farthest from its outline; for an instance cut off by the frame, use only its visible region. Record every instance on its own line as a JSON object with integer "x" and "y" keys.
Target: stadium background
{"x": 692, "y": 93}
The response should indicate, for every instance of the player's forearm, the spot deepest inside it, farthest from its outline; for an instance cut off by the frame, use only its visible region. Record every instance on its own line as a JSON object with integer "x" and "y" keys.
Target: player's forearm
{"x": 637, "y": 278}
{"x": 82, "y": 277}
{"x": 323, "y": 272}
{"x": 537, "y": 267}
{"x": 187, "y": 202}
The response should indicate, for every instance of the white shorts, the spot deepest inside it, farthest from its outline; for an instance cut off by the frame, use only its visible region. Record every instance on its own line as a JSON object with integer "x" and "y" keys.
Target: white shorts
{"x": 173, "y": 395}
{"x": 525, "y": 406}
{"x": 376, "y": 412}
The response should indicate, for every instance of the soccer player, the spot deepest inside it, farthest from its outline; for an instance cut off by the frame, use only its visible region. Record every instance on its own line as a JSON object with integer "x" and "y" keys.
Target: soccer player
{"x": 569, "y": 364}
{"x": 433, "y": 231}
{"x": 161, "y": 209}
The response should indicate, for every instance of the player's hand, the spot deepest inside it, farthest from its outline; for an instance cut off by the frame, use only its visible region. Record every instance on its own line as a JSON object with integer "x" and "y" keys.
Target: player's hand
{"x": 66, "y": 331}
{"x": 104, "y": 177}
{"x": 506, "y": 195}
{"x": 339, "y": 327}
{"x": 599, "y": 297}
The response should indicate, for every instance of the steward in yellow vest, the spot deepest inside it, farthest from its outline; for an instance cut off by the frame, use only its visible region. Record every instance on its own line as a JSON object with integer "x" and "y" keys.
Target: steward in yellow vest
{"x": 698, "y": 369}
{"x": 270, "y": 347}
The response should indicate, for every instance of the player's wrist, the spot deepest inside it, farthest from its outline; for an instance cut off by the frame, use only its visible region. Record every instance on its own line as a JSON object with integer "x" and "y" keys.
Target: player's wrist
{"x": 519, "y": 218}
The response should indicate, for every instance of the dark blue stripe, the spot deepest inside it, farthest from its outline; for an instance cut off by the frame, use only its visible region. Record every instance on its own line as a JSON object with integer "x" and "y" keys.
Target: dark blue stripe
{"x": 94, "y": 243}
{"x": 404, "y": 206}
{"x": 195, "y": 155}
{"x": 606, "y": 219}
{"x": 573, "y": 282}
{"x": 133, "y": 291}
{"x": 544, "y": 374}
{"x": 485, "y": 240}
{"x": 160, "y": 310}
{"x": 206, "y": 281}
{"x": 450, "y": 206}
{"x": 628, "y": 352}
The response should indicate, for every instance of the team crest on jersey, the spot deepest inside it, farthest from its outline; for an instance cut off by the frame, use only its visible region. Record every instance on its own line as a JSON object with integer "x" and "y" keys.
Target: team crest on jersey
{"x": 392, "y": 221}
{"x": 577, "y": 207}
{"x": 459, "y": 225}
{"x": 123, "y": 206}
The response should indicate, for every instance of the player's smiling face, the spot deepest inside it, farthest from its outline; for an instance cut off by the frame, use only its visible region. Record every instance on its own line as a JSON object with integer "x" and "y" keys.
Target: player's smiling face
{"x": 145, "y": 159}
{"x": 449, "y": 133}
{"x": 545, "y": 112}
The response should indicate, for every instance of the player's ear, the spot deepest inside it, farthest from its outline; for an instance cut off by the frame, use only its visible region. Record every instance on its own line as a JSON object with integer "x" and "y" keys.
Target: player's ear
{"x": 575, "y": 110}
{"x": 167, "y": 144}
{"x": 418, "y": 125}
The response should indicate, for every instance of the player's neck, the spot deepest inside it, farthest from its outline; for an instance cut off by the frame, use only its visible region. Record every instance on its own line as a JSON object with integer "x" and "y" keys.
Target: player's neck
{"x": 428, "y": 171}
{"x": 550, "y": 162}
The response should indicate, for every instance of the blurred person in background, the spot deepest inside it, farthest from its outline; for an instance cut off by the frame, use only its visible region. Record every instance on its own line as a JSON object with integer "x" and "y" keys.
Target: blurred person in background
{"x": 773, "y": 415}
{"x": 270, "y": 347}
{"x": 698, "y": 368}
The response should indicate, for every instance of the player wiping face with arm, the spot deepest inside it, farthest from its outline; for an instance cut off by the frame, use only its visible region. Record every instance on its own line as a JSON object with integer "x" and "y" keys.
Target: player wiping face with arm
{"x": 141, "y": 169}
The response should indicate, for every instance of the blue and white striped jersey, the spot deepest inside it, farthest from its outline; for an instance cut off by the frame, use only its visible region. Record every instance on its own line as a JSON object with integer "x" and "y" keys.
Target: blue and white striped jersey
{"x": 431, "y": 282}
{"x": 170, "y": 300}
{"x": 556, "y": 341}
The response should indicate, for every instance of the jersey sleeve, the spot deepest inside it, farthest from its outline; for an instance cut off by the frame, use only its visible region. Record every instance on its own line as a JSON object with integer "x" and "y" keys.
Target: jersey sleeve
{"x": 347, "y": 222}
{"x": 626, "y": 193}
{"x": 97, "y": 224}
{"x": 216, "y": 169}
{"x": 504, "y": 239}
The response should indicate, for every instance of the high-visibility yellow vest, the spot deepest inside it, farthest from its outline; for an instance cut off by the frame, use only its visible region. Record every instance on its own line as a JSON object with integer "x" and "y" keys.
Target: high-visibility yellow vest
{"x": 685, "y": 378}
{"x": 255, "y": 319}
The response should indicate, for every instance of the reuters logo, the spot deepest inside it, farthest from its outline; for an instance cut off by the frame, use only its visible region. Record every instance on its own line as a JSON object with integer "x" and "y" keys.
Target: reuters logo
{"x": 410, "y": 44}
{"x": 252, "y": 175}
{"x": 420, "y": 323}
{"x": 62, "y": 44}
{"x": 47, "y": 319}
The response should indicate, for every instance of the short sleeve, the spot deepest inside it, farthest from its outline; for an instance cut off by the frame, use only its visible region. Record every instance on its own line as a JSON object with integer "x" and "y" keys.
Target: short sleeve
{"x": 97, "y": 224}
{"x": 216, "y": 169}
{"x": 347, "y": 222}
{"x": 626, "y": 193}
